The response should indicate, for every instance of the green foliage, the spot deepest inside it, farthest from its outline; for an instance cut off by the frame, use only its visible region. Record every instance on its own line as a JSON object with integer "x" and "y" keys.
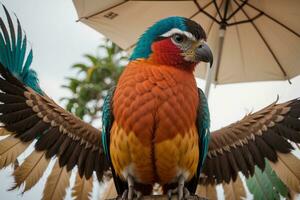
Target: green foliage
{"x": 266, "y": 185}
{"x": 93, "y": 81}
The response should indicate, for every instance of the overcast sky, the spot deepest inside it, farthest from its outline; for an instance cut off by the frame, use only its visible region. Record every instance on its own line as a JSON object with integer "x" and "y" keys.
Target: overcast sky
{"x": 58, "y": 42}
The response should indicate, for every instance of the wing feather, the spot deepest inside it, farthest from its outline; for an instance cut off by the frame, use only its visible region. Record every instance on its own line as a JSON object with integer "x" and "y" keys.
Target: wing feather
{"x": 245, "y": 144}
{"x": 234, "y": 190}
{"x": 57, "y": 183}
{"x": 10, "y": 149}
{"x": 209, "y": 191}
{"x": 31, "y": 170}
{"x": 28, "y": 115}
{"x": 288, "y": 170}
{"x": 57, "y": 131}
{"x": 83, "y": 188}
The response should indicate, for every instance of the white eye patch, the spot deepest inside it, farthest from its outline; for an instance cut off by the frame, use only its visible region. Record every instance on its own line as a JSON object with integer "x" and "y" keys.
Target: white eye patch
{"x": 178, "y": 31}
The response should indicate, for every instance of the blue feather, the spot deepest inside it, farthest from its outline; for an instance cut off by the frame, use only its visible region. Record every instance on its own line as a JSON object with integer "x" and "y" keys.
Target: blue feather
{"x": 13, "y": 54}
{"x": 203, "y": 121}
{"x": 27, "y": 62}
{"x": 107, "y": 120}
{"x": 3, "y": 49}
{"x": 143, "y": 47}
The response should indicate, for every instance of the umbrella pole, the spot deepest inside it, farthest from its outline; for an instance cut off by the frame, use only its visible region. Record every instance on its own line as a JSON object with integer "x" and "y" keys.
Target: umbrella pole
{"x": 212, "y": 72}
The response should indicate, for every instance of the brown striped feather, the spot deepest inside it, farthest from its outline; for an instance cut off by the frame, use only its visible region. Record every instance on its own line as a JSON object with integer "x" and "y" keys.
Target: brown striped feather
{"x": 234, "y": 190}
{"x": 74, "y": 157}
{"x": 209, "y": 191}
{"x": 83, "y": 188}
{"x": 288, "y": 170}
{"x": 10, "y": 149}
{"x": 63, "y": 159}
{"x": 31, "y": 170}
{"x": 57, "y": 183}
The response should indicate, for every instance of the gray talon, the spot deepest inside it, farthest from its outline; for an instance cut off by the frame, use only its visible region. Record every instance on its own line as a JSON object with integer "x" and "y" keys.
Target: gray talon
{"x": 131, "y": 193}
{"x": 181, "y": 191}
{"x": 124, "y": 195}
{"x": 186, "y": 193}
{"x": 138, "y": 195}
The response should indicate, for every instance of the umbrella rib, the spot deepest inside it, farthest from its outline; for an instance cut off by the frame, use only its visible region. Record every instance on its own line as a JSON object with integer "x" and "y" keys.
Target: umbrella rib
{"x": 221, "y": 41}
{"x": 238, "y": 9}
{"x": 267, "y": 45}
{"x": 225, "y": 11}
{"x": 219, "y": 56}
{"x": 272, "y": 18}
{"x": 218, "y": 11}
{"x": 245, "y": 21}
{"x": 211, "y": 24}
{"x": 206, "y": 13}
{"x": 240, "y": 45}
{"x": 196, "y": 13}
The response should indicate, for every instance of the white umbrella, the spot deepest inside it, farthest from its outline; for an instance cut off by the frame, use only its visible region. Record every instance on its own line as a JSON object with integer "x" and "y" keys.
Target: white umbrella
{"x": 252, "y": 40}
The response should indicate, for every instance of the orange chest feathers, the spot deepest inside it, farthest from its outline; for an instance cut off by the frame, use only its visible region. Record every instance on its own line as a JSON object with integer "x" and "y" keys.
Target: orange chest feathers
{"x": 158, "y": 100}
{"x": 154, "y": 137}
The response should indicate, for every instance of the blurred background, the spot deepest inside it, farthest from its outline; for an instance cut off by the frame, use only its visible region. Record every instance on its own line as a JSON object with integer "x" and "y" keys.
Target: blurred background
{"x": 66, "y": 56}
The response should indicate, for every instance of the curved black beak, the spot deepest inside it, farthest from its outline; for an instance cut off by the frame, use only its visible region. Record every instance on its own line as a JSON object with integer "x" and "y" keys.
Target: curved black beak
{"x": 203, "y": 53}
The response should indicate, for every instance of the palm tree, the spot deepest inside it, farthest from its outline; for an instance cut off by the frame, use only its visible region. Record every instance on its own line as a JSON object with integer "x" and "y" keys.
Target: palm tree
{"x": 95, "y": 79}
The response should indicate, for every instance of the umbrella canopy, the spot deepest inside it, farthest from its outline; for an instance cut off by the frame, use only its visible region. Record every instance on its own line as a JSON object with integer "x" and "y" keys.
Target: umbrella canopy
{"x": 252, "y": 40}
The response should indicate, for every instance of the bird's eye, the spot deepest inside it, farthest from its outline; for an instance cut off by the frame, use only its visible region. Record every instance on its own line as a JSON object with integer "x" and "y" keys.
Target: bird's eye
{"x": 178, "y": 38}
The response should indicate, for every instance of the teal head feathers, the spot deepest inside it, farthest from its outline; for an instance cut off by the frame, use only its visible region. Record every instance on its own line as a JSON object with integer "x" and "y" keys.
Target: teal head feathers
{"x": 174, "y": 34}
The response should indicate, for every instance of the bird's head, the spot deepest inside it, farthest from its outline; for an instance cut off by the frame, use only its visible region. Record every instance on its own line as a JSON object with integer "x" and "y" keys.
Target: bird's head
{"x": 175, "y": 41}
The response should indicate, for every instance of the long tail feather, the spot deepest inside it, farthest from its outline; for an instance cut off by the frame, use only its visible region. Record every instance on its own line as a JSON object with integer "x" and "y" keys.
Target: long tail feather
{"x": 288, "y": 169}
{"x": 208, "y": 191}
{"x": 234, "y": 190}
{"x": 31, "y": 170}
{"x": 10, "y": 149}
{"x": 82, "y": 188}
{"x": 57, "y": 183}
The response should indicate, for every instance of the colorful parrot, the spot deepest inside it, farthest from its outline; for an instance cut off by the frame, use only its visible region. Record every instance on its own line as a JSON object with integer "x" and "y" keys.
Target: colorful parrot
{"x": 155, "y": 124}
{"x": 156, "y": 120}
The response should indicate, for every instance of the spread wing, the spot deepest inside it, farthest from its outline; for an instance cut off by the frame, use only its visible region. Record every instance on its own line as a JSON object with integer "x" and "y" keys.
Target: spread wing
{"x": 245, "y": 146}
{"x": 29, "y": 116}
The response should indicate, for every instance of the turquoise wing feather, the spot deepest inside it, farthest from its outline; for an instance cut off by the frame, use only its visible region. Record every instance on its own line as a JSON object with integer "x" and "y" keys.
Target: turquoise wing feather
{"x": 203, "y": 125}
{"x": 107, "y": 120}
{"x": 14, "y": 56}
{"x": 266, "y": 184}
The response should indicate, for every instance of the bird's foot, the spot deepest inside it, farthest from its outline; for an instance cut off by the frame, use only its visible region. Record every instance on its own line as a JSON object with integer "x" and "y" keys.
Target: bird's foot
{"x": 131, "y": 193}
{"x": 181, "y": 191}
